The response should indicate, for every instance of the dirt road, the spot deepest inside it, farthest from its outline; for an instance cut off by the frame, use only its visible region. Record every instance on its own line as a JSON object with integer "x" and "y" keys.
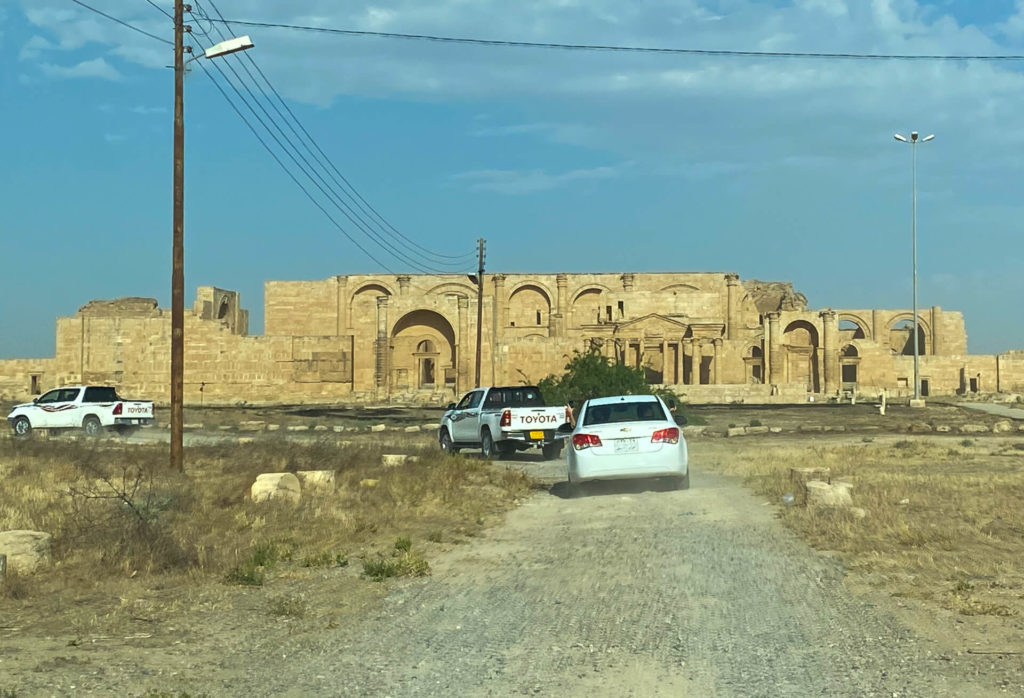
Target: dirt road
{"x": 625, "y": 592}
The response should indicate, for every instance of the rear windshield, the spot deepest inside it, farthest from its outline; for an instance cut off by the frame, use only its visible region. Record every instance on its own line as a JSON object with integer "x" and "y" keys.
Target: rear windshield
{"x": 514, "y": 397}
{"x": 624, "y": 412}
{"x": 100, "y": 394}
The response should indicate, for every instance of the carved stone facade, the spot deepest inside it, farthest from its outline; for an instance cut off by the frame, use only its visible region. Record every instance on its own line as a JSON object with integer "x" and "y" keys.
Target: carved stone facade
{"x": 712, "y": 336}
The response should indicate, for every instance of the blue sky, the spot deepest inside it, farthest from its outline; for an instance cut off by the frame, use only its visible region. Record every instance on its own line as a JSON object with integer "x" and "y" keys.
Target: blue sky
{"x": 777, "y": 169}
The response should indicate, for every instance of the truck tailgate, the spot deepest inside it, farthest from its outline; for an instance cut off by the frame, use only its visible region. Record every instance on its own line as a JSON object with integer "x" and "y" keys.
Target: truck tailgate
{"x": 537, "y": 417}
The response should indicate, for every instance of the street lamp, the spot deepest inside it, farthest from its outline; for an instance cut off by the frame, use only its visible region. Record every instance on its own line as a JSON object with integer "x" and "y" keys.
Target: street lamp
{"x": 913, "y": 141}
{"x": 178, "y": 225}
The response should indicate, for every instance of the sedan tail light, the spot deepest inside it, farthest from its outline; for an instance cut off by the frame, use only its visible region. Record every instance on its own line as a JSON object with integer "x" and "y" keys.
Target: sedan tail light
{"x": 666, "y": 436}
{"x": 118, "y": 408}
{"x": 506, "y": 419}
{"x": 582, "y": 441}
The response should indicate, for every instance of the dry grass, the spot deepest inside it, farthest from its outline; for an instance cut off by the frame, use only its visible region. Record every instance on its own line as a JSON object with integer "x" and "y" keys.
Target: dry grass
{"x": 945, "y": 519}
{"x": 120, "y": 521}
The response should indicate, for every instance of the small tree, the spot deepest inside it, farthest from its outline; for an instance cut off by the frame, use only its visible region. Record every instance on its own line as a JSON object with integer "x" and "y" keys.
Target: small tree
{"x": 592, "y": 374}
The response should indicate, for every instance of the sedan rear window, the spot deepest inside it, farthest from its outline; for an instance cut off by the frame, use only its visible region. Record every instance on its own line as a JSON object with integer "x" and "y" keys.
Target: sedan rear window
{"x": 624, "y": 412}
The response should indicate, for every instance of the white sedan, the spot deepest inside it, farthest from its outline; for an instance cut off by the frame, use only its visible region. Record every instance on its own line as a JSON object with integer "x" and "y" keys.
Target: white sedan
{"x": 627, "y": 436}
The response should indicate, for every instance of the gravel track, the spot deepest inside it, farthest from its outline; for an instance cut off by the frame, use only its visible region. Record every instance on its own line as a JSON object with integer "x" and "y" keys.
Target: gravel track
{"x": 625, "y": 593}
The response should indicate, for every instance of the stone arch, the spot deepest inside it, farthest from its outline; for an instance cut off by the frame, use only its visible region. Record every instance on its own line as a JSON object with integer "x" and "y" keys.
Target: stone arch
{"x": 753, "y": 358}
{"x": 362, "y": 307}
{"x": 800, "y": 343}
{"x": 422, "y": 351}
{"x": 225, "y": 308}
{"x": 678, "y": 287}
{"x": 860, "y": 328}
{"x": 901, "y": 335}
{"x": 849, "y": 362}
{"x": 529, "y": 306}
{"x": 452, "y": 288}
{"x": 590, "y": 305}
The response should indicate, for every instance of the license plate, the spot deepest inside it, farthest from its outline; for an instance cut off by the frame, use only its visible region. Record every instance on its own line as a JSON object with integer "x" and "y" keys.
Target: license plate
{"x": 538, "y": 435}
{"x": 625, "y": 445}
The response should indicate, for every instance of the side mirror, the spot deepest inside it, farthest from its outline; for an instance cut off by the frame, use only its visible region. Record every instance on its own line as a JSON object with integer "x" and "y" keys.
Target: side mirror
{"x": 680, "y": 419}
{"x": 35, "y": 400}
{"x": 451, "y": 406}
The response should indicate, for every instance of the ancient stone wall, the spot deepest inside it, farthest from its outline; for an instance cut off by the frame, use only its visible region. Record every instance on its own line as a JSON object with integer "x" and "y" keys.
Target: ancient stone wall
{"x": 711, "y": 336}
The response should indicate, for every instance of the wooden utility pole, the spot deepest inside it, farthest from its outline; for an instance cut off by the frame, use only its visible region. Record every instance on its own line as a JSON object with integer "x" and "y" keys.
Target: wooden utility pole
{"x": 479, "y": 307}
{"x": 178, "y": 246}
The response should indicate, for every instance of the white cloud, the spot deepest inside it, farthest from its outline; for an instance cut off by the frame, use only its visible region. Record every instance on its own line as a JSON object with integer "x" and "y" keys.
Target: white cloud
{"x": 528, "y": 182}
{"x": 96, "y": 68}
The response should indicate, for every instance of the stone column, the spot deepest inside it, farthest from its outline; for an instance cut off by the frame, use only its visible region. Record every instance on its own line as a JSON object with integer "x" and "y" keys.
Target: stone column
{"x": 830, "y": 327}
{"x": 559, "y": 322}
{"x": 381, "y": 352}
{"x": 500, "y": 303}
{"x": 664, "y": 362}
{"x": 877, "y": 327}
{"x": 462, "y": 348}
{"x": 696, "y": 356}
{"x": 343, "y": 301}
{"x": 776, "y": 370}
{"x": 716, "y": 355}
{"x": 403, "y": 285}
{"x": 627, "y": 281}
{"x": 936, "y": 347}
{"x": 679, "y": 362}
{"x": 733, "y": 312}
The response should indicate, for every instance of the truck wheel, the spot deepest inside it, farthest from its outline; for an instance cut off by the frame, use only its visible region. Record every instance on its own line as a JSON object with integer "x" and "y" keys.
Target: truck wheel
{"x": 506, "y": 449}
{"x": 486, "y": 444}
{"x": 22, "y": 427}
{"x": 446, "y": 443}
{"x": 551, "y": 450}
{"x": 92, "y": 427}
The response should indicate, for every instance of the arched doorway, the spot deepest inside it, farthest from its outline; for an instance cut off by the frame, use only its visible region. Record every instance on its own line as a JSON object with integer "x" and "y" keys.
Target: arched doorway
{"x": 901, "y": 338}
{"x": 426, "y": 356}
{"x": 849, "y": 360}
{"x": 422, "y": 352}
{"x": 755, "y": 365}
{"x": 800, "y": 342}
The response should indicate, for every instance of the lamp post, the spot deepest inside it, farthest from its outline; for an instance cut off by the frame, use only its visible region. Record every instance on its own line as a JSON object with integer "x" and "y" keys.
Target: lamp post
{"x": 178, "y": 225}
{"x": 913, "y": 141}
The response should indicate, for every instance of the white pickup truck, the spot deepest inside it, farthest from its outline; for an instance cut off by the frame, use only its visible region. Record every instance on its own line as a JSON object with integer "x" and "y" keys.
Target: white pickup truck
{"x": 503, "y": 420}
{"x": 91, "y": 408}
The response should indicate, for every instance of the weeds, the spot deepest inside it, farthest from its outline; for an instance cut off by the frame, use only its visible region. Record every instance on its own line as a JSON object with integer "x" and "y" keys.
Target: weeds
{"x": 288, "y": 607}
{"x": 402, "y": 563}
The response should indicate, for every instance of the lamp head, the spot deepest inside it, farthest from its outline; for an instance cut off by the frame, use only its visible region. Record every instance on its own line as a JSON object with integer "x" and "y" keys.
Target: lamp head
{"x": 899, "y": 137}
{"x": 928, "y": 138}
{"x": 913, "y": 136}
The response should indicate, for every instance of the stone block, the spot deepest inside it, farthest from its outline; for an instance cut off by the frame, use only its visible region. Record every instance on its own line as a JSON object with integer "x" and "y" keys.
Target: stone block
{"x": 337, "y": 428}
{"x": 226, "y": 427}
{"x": 811, "y": 427}
{"x": 823, "y": 494}
{"x": 245, "y": 440}
{"x": 321, "y": 427}
{"x": 277, "y": 487}
{"x": 323, "y": 480}
{"x": 369, "y": 482}
{"x": 775, "y": 430}
{"x": 430, "y": 427}
{"x": 1002, "y": 426}
{"x": 943, "y": 428}
{"x": 196, "y": 426}
{"x": 26, "y": 551}
{"x": 736, "y": 431}
{"x": 273, "y": 427}
{"x": 757, "y": 430}
{"x": 297, "y": 427}
{"x": 412, "y": 430}
{"x": 973, "y": 429}
{"x": 378, "y": 427}
{"x": 920, "y": 428}
{"x": 251, "y": 425}
{"x": 391, "y": 460}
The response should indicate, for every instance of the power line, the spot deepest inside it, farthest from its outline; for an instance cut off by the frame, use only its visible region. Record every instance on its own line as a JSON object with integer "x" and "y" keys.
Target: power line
{"x": 326, "y": 159}
{"x": 123, "y": 23}
{"x": 408, "y": 257}
{"x": 629, "y": 49}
